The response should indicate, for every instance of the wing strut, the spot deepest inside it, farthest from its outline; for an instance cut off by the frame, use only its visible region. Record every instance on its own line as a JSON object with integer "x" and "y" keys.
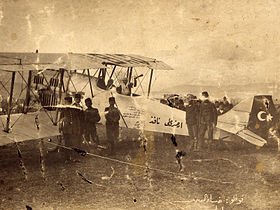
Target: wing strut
{"x": 112, "y": 72}
{"x": 68, "y": 81}
{"x": 150, "y": 83}
{"x": 27, "y": 98}
{"x": 90, "y": 83}
{"x": 130, "y": 74}
{"x": 59, "y": 93}
{"x": 10, "y": 102}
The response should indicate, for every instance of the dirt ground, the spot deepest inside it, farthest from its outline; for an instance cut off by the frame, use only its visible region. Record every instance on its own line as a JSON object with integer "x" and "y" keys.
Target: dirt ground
{"x": 244, "y": 178}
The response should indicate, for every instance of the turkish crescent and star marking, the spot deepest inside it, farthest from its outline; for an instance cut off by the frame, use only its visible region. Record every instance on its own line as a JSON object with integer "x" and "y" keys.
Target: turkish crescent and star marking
{"x": 262, "y": 114}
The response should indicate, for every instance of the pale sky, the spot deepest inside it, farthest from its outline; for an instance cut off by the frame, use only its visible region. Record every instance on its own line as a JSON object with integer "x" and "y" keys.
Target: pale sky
{"x": 206, "y": 42}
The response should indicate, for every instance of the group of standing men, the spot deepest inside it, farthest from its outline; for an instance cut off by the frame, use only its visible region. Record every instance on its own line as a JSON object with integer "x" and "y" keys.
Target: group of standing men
{"x": 78, "y": 125}
{"x": 201, "y": 116}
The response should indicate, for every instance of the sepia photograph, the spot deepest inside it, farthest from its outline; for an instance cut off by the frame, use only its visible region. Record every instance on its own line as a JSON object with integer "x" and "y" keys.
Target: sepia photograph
{"x": 139, "y": 104}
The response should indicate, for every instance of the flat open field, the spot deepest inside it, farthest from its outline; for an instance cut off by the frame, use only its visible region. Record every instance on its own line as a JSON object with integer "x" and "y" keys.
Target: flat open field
{"x": 219, "y": 179}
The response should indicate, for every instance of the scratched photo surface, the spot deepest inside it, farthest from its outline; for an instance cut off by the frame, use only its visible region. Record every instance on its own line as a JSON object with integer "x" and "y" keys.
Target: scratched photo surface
{"x": 176, "y": 147}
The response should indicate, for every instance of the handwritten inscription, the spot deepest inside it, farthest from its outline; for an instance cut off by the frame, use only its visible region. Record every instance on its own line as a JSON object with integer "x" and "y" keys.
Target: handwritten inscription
{"x": 208, "y": 198}
{"x": 169, "y": 123}
{"x": 174, "y": 123}
{"x": 155, "y": 120}
{"x": 133, "y": 113}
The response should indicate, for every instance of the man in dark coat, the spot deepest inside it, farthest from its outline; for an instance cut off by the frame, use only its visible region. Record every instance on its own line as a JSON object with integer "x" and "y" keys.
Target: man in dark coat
{"x": 207, "y": 120}
{"x": 112, "y": 115}
{"x": 69, "y": 127}
{"x": 91, "y": 118}
{"x": 192, "y": 111}
{"x": 80, "y": 118}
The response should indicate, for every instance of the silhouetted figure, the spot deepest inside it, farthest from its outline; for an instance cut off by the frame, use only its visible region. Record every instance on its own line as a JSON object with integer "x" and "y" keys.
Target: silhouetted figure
{"x": 80, "y": 118}
{"x": 207, "y": 120}
{"x": 192, "y": 114}
{"x": 112, "y": 123}
{"x": 70, "y": 127}
{"x": 91, "y": 118}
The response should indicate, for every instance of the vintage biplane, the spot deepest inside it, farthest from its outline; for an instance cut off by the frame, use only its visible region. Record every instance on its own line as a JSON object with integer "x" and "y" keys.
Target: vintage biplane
{"x": 47, "y": 77}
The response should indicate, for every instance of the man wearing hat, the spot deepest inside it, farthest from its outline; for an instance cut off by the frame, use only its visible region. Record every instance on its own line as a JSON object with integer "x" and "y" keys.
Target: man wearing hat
{"x": 91, "y": 118}
{"x": 192, "y": 111}
{"x": 68, "y": 126}
{"x": 112, "y": 116}
{"x": 80, "y": 118}
{"x": 77, "y": 100}
{"x": 207, "y": 120}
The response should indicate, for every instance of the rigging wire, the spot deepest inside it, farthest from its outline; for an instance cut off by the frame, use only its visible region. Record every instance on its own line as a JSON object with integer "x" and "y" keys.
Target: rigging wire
{"x": 88, "y": 81}
{"x": 4, "y": 86}
{"x": 71, "y": 81}
{"x": 116, "y": 75}
{"x": 21, "y": 115}
{"x": 142, "y": 80}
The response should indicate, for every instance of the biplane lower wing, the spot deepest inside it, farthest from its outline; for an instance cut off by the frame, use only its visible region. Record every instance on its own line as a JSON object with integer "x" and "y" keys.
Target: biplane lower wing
{"x": 24, "y": 127}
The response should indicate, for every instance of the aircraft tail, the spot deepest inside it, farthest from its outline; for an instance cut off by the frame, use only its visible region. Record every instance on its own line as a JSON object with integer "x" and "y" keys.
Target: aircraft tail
{"x": 251, "y": 119}
{"x": 263, "y": 116}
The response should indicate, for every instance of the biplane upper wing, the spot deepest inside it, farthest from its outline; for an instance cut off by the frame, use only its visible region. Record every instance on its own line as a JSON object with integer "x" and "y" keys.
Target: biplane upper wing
{"x": 153, "y": 63}
{"x": 21, "y": 127}
{"x": 24, "y": 127}
{"x": 40, "y": 61}
{"x": 251, "y": 119}
{"x": 131, "y": 61}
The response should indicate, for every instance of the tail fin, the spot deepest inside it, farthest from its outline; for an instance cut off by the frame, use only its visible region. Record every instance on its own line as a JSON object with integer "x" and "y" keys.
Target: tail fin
{"x": 263, "y": 115}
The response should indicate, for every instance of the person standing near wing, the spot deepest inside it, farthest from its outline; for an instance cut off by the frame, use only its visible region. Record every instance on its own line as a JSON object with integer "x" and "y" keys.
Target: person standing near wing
{"x": 207, "y": 120}
{"x": 68, "y": 127}
{"x": 79, "y": 119}
{"x": 112, "y": 115}
{"x": 192, "y": 112}
{"x": 91, "y": 118}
